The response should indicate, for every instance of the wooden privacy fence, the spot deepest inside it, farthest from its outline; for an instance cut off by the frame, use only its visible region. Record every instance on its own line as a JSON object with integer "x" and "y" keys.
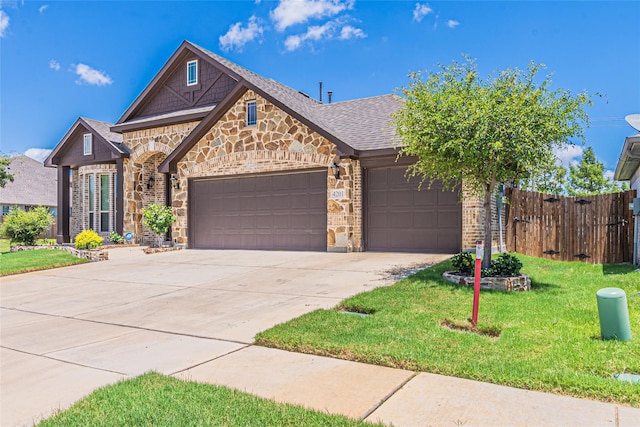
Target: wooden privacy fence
{"x": 595, "y": 229}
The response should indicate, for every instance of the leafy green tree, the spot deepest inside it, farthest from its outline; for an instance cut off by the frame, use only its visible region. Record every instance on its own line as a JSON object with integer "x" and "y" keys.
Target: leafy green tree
{"x": 481, "y": 132}
{"x": 25, "y": 227}
{"x": 5, "y": 176}
{"x": 551, "y": 179}
{"x": 158, "y": 218}
{"x": 587, "y": 177}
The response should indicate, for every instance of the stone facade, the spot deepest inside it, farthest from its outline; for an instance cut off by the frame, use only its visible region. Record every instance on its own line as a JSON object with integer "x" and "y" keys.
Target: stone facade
{"x": 149, "y": 148}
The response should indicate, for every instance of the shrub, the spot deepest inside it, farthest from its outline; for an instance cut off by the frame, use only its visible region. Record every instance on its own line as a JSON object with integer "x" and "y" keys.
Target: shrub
{"x": 158, "y": 218}
{"x": 116, "y": 238}
{"x": 463, "y": 262}
{"x": 506, "y": 265}
{"x": 25, "y": 227}
{"x": 88, "y": 239}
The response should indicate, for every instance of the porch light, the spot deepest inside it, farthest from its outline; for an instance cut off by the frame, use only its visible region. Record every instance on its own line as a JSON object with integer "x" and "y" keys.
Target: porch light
{"x": 151, "y": 183}
{"x": 174, "y": 182}
{"x": 336, "y": 170}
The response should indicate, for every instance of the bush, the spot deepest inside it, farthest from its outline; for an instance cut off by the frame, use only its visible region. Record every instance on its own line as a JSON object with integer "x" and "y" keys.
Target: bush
{"x": 506, "y": 265}
{"x": 158, "y": 218}
{"x": 116, "y": 238}
{"x": 88, "y": 239}
{"x": 463, "y": 262}
{"x": 25, "y": 227}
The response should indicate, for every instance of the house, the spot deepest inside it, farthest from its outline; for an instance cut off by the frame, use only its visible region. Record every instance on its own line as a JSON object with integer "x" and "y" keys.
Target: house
{"x": 33, "y": 185}
{"x": 249, "y": 163}
{"x": 628, "y": 169}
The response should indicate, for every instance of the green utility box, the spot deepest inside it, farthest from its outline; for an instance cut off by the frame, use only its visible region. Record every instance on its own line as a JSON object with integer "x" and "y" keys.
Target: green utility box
{"x": 614, "y": 314}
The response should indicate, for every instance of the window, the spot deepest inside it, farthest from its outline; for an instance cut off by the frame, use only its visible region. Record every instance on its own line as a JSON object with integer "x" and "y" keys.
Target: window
{"x": 252, "y": 113}
{"x": 88, "y": 143}
{"x": 192, "y": 73}
{"x": 104, "y": 203}
{"x": 92, "y": 195}
{"x": 5, "y": 209}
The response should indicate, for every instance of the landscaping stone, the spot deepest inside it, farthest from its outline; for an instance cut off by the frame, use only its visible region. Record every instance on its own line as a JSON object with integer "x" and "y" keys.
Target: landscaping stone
{"x": 91, "y": 255}
{"x": 508, "y": 284}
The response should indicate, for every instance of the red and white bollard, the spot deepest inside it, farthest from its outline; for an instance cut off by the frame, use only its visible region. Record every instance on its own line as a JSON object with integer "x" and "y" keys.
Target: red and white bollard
{"x": 476, "y": 282}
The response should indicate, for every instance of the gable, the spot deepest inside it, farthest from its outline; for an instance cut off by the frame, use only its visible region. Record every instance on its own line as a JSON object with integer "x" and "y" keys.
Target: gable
{"x": 70, "y": 150}
{"x": 170, "y": 91}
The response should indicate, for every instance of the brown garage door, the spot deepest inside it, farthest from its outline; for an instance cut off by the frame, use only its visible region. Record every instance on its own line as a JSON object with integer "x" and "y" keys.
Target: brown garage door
{"x": 400, "y": 218}
{"x": 280, "y": 211}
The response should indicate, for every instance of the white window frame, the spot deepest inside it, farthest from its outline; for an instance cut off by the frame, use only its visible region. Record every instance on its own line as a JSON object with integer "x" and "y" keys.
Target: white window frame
{"x": 255, "y": 118}
{"x": 195, "y": 64}
{"x": 88, "y": 144}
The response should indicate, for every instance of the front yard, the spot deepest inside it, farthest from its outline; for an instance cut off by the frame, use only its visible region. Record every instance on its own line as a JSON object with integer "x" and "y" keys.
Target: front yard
{"x": 39, "y": 259}
{"x": 549, "y": 337}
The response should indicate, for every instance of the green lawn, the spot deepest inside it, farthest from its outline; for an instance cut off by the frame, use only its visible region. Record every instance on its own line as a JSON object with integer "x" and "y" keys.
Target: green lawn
{"x": 156, "y": 400}
{"x": 5, "y": 245}
{"x": 549, "y": 337}
{"x": 39, "y": 259}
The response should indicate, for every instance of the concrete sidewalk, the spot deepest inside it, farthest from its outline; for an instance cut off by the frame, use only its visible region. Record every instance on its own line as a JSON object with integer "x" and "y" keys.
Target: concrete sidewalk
{"x": 193, "y": 314}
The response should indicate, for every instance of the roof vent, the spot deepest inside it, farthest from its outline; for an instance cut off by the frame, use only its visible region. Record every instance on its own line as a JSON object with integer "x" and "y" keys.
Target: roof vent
{"x": 330, "y": 94}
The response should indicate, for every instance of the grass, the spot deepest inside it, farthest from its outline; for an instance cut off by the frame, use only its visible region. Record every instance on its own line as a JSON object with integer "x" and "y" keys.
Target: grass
{"x": 549, "y": 338}
{"x": 156, "y": 400}
{"x": 38, "y": 259}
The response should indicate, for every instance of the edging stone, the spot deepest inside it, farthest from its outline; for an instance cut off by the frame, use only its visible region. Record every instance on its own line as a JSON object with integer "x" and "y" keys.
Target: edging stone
{"x": 505, "y": 284}
{"x": 91, "y": 255}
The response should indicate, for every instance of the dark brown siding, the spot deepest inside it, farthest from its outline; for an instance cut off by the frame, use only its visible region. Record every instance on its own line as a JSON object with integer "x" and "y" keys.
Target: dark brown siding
{"x": 401, "y": 218}
{"x": 73, "y": 152}
{"x": 280, "y": 211}
{"x": 175, "y": 95}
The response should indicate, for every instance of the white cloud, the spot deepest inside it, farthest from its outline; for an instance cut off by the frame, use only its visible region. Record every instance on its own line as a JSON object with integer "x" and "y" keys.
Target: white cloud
{"x": 238, "y": 36}
{"x": 452, "y": 23}
{"x": 568, "y": 154}
{"x": 420, "y": 11}
{"x": 608, "y": 174}
{"x": 349, "y": 32}
{"x": 91, "y": 76}
{"x": 292, "y": 12}
{"x": 38, "y": 154}
{"x": 54, "y": 65}
{"x": 42, "y": 8}
{"x": 4, "y": 22}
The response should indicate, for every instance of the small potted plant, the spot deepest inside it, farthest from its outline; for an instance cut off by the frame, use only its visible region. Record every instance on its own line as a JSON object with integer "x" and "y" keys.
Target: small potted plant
{"x": 158, "y": 218}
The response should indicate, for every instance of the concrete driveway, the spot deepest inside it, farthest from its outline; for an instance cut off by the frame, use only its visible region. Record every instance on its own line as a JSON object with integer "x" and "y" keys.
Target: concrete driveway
{"x": 68, "y": 331}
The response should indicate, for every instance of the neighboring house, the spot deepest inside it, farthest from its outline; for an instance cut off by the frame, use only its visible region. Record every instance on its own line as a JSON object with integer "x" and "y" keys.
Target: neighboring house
{"x": 33, "y": 185}
{"x": 247, "y": 162}
{"x": 628, "y": 169}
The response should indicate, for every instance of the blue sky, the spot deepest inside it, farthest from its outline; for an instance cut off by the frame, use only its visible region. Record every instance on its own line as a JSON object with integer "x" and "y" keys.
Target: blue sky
{"x": 64, "y": 59}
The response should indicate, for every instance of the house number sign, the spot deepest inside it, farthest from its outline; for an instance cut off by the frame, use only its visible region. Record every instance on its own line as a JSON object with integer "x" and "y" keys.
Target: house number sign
{"x": 338, "y": 194}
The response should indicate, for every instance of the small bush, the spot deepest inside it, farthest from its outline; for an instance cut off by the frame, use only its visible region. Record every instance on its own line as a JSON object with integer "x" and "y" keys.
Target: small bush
{"x": 116, "y": 238}
{"x": 463, "y": 262}
{"x": 506, "y": 265}
{"x": 25, "y": 227}
{"x": 88, "y": 239}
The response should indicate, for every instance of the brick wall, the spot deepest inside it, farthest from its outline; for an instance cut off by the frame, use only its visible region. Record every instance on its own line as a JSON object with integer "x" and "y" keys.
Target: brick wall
{"x": 80, "y": 198}
{"x": 473, "y": 222}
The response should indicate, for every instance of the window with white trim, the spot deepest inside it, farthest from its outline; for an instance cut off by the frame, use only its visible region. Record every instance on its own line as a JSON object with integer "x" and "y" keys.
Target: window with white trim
{"x": 88, "y": 144}
{"x": 252, "y": 113}
{"x": 192, "y": 72}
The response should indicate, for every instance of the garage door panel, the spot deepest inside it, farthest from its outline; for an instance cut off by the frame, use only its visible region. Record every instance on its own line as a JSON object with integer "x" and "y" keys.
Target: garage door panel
{"x": 286, "y": 211}
{"x": 399, "y": 217}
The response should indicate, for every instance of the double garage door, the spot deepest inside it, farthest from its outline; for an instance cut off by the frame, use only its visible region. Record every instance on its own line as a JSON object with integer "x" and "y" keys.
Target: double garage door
{"x": 279, "y": 211}
{"x": 289, "y": 212}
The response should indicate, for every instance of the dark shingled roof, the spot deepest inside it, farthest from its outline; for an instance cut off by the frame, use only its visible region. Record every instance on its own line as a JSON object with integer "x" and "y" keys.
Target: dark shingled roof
{"x": 33, "y": 184}
{"x": 363, "y": 124}
{"x": 104, "y": 130}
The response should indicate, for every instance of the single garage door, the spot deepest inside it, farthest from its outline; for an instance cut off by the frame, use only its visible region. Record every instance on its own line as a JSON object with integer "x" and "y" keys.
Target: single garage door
{"x": 402, "y": 219}
{"x": 279, "y": 211}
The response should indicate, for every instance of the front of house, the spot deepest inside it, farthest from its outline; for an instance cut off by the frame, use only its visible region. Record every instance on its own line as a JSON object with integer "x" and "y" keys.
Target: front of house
{"x": 249, "y": 163}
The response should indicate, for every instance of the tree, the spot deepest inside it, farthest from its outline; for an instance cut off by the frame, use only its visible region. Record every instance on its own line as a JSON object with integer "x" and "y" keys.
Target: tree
{"x": 587, "y": 177}
{"x": 5, "y": 176}
{"x": 25, "y": 227}
{"x": 482, "y": 133}
{"x": 550, "y": 180}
